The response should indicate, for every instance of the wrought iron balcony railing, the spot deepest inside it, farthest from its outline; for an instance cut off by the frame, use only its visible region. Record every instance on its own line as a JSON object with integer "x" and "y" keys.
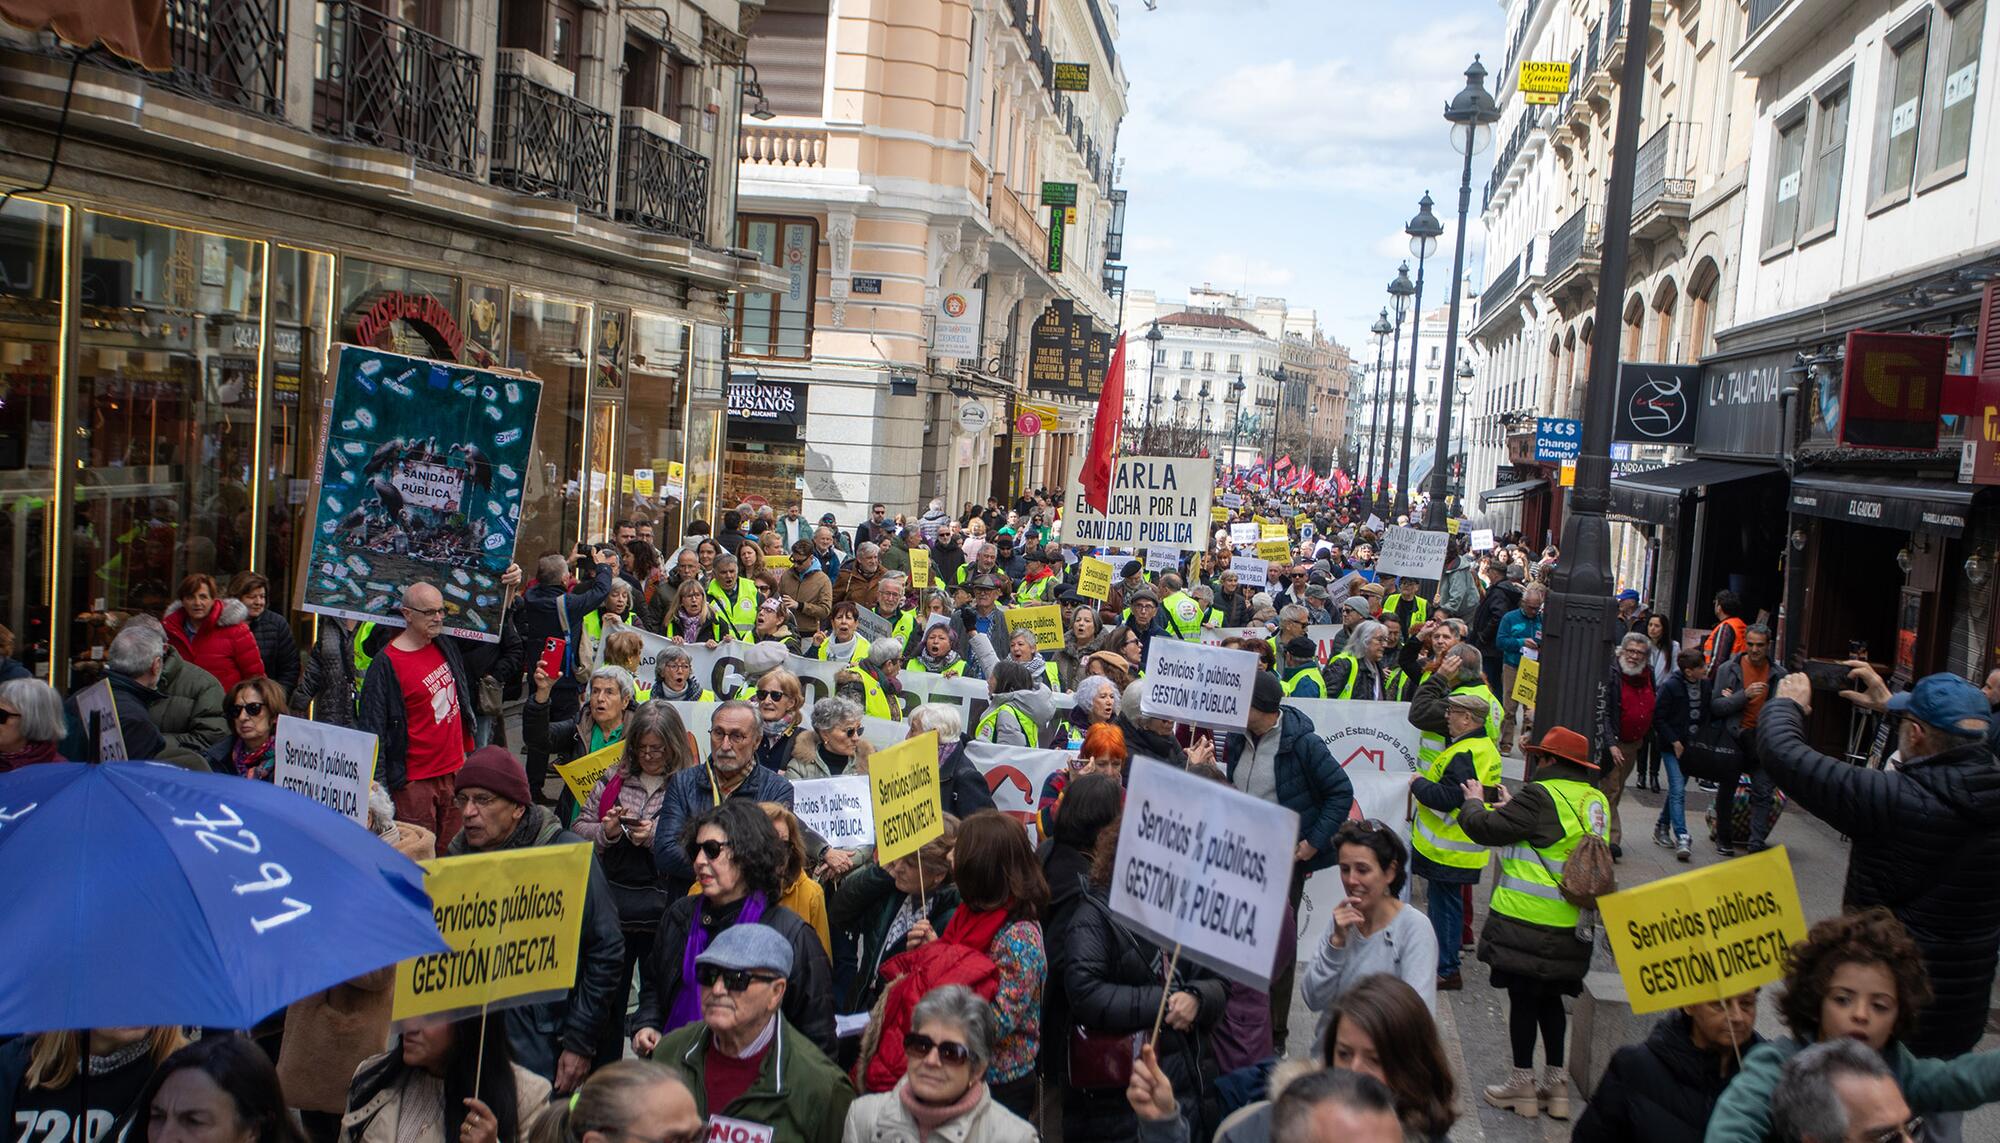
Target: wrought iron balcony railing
{"x": 1663, "y": 168}
{"x": 228, "y": 51}
{"x": 1576, "y": 240}
{"x": 390, "y": 84}
{"x": 550, "y": 145}
{"x": 662, "y": 185}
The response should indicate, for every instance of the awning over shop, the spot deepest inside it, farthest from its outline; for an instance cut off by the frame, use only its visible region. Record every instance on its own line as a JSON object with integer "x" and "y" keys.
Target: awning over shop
{"x": 1885, "y": 502}
{"x": 1507, "y": 492}
{"x": 1653, "y": 495}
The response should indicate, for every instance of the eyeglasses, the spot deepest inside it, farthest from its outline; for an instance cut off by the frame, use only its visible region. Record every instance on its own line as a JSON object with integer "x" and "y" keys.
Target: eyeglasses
{"x": 426, "y": 612}
{"x": 253, "y": 709}
{"x": 1913, "y": 1128}
{"x": 772, "y": 696}
{"x": 709, "y": 849}
{"x": 731, "y": 735}
{"x": 649, "y": 749}
{"x": 733, "y": 979}
{"x": 481, "y": 799}
{"x": 844, "y": 730}
{"x": 918, "y": 1046}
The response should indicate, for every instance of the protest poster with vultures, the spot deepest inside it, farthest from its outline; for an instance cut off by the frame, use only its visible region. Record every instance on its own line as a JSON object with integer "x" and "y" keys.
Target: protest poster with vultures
{"x": 421, "y": 477}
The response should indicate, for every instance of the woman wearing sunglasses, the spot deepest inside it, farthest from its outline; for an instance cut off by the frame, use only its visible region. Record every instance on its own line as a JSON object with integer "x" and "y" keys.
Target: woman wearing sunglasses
{"x": 833, "y": 746}
{"x": 943, "y": 1095}
{"x": 779, "y": 697}
{"x": 252, "y": 711}
{"x": 739, "y": 869}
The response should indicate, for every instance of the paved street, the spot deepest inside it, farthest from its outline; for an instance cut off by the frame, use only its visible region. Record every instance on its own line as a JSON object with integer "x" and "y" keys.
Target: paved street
{"x": 1474, "y": 1022}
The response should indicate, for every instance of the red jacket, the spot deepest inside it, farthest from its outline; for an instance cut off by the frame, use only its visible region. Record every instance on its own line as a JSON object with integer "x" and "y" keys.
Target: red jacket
{"x": 223, "y": 645}
{"x": 958, "y": 956}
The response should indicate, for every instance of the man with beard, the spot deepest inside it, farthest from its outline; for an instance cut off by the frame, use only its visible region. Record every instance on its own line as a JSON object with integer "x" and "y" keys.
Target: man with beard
{"x": 1627, "y": 719}
{"x": 730, "y": 772}
{"x": 499, "y": 814}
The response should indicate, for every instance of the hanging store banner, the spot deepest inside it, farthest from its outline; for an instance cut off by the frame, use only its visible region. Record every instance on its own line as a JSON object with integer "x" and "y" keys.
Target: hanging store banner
{"x": 1656, "y": 403}
{"x": 1890, "y": 389}
{"x": 955, "y": 323}
{"x": 1048, "y": 347}
{"x": 1156, "y": 501}
{"x": 1739, "y": 415}
{"x": 1543, "y": 81}
{"x": 422, "y": 477}
{"x": 1072, "y": 76}
{"x": 754, "y": 401}
{"x": 1558, "y": 438}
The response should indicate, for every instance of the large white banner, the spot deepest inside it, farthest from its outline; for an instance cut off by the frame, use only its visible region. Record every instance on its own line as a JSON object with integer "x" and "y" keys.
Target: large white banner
{"x": 1412, "y": 552}
{"x": 1014, "y": 776}
{"x": 1205, "y": 867}
{"x": 1199, "y": 683}
{"x": 332, "y": 765}
{"x": 1158, "y": 501}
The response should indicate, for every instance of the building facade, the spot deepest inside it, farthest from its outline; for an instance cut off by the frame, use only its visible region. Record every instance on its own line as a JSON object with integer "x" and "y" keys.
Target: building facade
{"x": 899, "y": 175}
{"x": 532, "y": 184}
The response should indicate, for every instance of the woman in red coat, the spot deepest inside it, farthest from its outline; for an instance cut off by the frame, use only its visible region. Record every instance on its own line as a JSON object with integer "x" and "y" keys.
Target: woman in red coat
{"x": 213, "y": 634}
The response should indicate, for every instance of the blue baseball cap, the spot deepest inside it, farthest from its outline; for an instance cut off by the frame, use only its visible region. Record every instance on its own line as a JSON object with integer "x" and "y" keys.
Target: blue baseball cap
{"x": 1946, "y": 701}
{"x": 1630, "y": 594}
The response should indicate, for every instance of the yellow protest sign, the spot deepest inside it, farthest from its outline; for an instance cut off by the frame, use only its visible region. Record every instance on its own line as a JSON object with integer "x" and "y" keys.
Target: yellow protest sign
{"x": 1527, "y": 680}
{"x": 909, "y": 807}
{"x": 1705, "y": 935}
{"x": 1093, "y": 579}
{"x": 512, "y": 920}
{"x": 1273, "y": 531}
{"x": 1275, "y": 551}
{"x": 1302, "y": 519}
{"x": 1451, "y": 525}
{"x": 642, "y": 481}
{"x": 1219, "y": 514}
{"x": 582, "y": 774}
{"x": 920, "y": 568}
{"x": 1045, "y": 620}
{"x": 779, "y": 562}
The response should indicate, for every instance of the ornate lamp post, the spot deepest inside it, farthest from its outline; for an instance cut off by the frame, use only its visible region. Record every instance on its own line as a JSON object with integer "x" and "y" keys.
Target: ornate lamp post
{"x": 1472, "y": 114}
{"x": 1381, "y": 329}
{"x": 1423, "y": 231}
{"x": 1400, "y": 291}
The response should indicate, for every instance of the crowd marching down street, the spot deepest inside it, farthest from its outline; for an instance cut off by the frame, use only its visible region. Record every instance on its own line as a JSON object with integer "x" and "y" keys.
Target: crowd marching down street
{"x": 941, "y": 826}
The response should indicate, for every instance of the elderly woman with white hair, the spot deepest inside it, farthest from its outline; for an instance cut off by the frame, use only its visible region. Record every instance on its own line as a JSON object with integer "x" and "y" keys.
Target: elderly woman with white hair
{"x": 875, "y": 679}
{"x": 606, "y": 714}
{"x": 1359, "y": 671}
{"x": 964, "y": 787}
{"x": 943, "y": 1093}
{"x": 31, "y": 724}
{"x": 833, "y": 746}
{"x": 1096, "y": 700}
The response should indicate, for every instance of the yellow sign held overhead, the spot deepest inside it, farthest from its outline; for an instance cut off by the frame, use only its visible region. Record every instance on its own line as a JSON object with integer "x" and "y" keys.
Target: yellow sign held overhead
{"x": 1705, "y": 935}
{"x": 1274, "y": 531}
{"x": 909, "y": 805}
{"x": 1543, "y": 81}
{"x": 581, "y": 775}
{"x": 1093, "y": 579}
{"x": 1275, "y": 551}
{"x": 1044, "y": 620}
{"x": 1219, "y": 514}
{"x": 512, "y": 919}
{"x": 781, "y": 563}
{"x": 920, "y": 568}
{"x": 1451, "y": 525}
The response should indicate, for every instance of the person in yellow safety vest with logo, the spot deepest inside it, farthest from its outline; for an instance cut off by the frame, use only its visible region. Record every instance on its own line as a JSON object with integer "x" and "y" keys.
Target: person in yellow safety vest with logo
{"x": 890, "y": 593}
{"x": 1535, "y": 941}
{"x": 1180, "y": 611}
{"x": 1415, "y": 610}
{"x": 1021, "y": 647}
{"x": 874, "y": 676}
{"x": 675, "y": 670}
{"x": 1446, "y": 859}
{"x": 842, "y": 644}
{"x": 1205, "y": 596}
{"x": 1038, "y": 583}
{"x": 1020, "y": 708}
{"x": 1302, "y": 675}
{"x": 1459, "y": 671}
{"x": 936, "y": 652}
{"x": 734, "y": 599}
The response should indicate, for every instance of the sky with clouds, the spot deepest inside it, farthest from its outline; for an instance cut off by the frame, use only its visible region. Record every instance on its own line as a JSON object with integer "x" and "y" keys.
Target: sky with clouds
{"x": 1278, "y": 146}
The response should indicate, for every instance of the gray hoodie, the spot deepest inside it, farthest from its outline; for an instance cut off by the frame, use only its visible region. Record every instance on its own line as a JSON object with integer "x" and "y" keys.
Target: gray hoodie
{"x": 1035, "y": 703}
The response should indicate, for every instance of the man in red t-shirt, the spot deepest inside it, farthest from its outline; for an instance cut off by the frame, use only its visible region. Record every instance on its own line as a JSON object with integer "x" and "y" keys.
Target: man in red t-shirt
{"x": 418, "y": 703}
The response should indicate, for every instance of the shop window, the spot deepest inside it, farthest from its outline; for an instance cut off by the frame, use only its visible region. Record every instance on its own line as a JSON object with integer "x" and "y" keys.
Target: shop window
{"x": 779, "y": 324}
{"x": 301, "y": 316}
{"x": 1781, "y": 210}
{"x": 655, "y": 423}
{"x": 606, "y": 481}
{"x": 412, "y": 312}
{"x": 549, "y": 338}
{"x": 33, "y": 236}
{"x": 1900, "y": 112}
{"x": 169, "y": 342}
{"x": 706, "y": 371}
{"x": 1952, "y": 147}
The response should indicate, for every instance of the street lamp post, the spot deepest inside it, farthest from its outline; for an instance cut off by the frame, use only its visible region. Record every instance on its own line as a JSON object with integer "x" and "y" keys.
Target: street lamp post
{"x": 1423, "y": 231}
{"x": 1277, "y": 409}
{"x": 1381, "y": 329}
{"x": 1201, "y": 433}
{"x": 1465, "y": 380}
{"x": 1472, "y": 114}
{"x": 1153, "y": 337}
{"x": 1576, "y": 637}
{"x": 1236, "y": 388}
{"x": 1400, "y": 290}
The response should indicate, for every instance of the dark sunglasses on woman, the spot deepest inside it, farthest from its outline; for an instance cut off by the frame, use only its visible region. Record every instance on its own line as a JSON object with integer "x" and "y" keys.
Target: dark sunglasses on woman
{"x": 710, "y": 849}
{"x": 253, "y": 709}
{"x": 918, "y": 1046}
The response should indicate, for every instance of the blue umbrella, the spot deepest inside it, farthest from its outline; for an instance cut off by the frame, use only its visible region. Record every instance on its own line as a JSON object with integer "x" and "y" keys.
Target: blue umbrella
{"x": 145, "y": 894}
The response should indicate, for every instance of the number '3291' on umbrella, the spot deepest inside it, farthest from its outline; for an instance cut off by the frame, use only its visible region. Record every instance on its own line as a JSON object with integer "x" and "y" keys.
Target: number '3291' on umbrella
{"x": 143, "y": 894}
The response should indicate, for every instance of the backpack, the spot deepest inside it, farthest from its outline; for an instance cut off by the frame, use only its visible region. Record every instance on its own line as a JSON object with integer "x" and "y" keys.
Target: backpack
{"x": 1589, "y": 872}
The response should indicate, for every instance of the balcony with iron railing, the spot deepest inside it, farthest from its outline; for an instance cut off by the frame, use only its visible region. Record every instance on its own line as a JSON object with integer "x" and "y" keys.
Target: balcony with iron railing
{"x": 550, "y": 145}
{"x": 387, "y": 83}
{"x": 662, "y": 186}
{"x": 1574, "y": 247}
{"x": 230, "y": 52}
{"x": 1525, "y": 127}
{"x": 1663, "y": 184}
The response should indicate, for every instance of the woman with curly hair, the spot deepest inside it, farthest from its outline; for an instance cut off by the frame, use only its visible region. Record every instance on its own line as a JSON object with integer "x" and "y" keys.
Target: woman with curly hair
{"x": 1857, "y": 975}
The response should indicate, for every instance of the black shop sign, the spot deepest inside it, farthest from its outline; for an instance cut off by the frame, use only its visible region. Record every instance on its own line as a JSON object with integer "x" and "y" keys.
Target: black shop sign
{"x": 759, "y": 402}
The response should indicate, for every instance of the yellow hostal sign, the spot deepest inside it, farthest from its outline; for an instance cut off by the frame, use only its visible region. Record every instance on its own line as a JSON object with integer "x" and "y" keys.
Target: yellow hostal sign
{"x": 513, "y": 920}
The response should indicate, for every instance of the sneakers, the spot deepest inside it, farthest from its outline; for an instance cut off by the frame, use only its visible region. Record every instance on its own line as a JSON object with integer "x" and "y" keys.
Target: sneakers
{"x": 1682, "y": 852}
{"x": 1705, "y": 784}
{"x": 1617, "y": 852}
{"x": 1553, "y": 1092}
{"x": 1663, "y": 836}
{"x": 1518, "y": 1094}
{"x": 1722, "y": 850}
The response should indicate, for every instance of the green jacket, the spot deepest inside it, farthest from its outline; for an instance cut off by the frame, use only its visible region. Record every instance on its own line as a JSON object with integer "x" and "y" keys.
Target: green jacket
{"x": 1743, "y": 1115}
{"x": 799, "y": 1093}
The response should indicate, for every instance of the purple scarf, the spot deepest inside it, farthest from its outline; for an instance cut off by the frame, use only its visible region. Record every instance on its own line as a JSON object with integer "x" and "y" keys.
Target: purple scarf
{"x": 686, "y": 1006}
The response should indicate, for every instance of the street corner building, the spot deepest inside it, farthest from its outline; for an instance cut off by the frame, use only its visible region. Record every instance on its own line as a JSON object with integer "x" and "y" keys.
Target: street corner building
{"x": 538, "y": 186}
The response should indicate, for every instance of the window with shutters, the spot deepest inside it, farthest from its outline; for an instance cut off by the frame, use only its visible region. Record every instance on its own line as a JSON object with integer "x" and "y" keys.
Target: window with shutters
{"x": 788, "y": 47}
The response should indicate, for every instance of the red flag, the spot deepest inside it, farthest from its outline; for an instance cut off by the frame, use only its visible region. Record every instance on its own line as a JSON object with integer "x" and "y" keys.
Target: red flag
{"x": 1104, "y": 434}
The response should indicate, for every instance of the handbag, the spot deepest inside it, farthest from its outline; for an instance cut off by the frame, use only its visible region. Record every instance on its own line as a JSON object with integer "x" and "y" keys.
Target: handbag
{"x": 1099, "y": 1060}
{"x": 1715, "y": 754}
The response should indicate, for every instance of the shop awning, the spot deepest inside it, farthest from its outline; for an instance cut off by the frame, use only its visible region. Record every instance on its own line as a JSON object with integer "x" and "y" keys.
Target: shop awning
{"x": 1654, "y": 494}
{"x": 1507, "y": 492}
{"x": 1885, "y": 502}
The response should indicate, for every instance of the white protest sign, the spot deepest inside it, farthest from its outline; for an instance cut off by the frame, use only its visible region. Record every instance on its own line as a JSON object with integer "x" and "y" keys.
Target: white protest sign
{"x": 1251, "y": 571}
{"x": 1014, "y": 776}
{"x": 1245, "y": 535}
{"x": 97, "y": 699}
{"x": 1199, "y": 683}
{"x": 1374, "y": 523}
{"x": 837, "y": 809}
{"x": 1163, "y": 559}
{"x": 1218, "y": 634}
{"x": 968, "y": 695}
{"x": 1231, "y": 500}
{"x": 1154, "y": 500}
{"x": 1412, "y": 552}
{"x": 1325, "y": 636}
{"x": 331, "y": 765}
{"x": 1482, "y": 539}
{"x": 1206, "y": 867}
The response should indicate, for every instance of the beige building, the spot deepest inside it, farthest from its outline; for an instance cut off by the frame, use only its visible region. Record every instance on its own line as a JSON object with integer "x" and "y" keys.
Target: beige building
{"x": 898, "y": 180}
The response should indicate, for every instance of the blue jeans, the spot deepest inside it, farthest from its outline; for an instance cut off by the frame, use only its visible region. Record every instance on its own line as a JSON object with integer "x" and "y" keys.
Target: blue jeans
{"x": 1447, "y": 912}
{"x": 1674, "y": 813}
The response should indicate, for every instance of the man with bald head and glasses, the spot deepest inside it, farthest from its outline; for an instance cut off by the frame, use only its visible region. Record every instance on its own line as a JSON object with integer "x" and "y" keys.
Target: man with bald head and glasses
{"x": 418, "y": 702}
{"x": 730, "y": 771}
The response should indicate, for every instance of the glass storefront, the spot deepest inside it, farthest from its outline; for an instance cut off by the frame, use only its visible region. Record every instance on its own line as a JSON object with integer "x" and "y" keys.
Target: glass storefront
{"x": 762, "y": 471}
{"x": 161, "y": 396}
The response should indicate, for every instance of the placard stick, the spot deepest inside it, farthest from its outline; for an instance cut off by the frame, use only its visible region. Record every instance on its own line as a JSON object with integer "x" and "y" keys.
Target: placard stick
{"x": 1167, "y": 990}
{"x": 923, "y": 903}
{"x": 476, "y": 1060}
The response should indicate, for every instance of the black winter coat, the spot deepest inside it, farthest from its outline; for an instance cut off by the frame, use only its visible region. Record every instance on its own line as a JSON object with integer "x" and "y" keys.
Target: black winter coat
{"x": 1659, "y": 1091}
{"x": 1499, "y": 599}
{"x": 1310, "y": 782}
{"x": 1113, "y": 980}
{"x": 865, "y": 905}
{"x": 808, "y": 1004}
{"x": 1926, "y": 842}
{"x": 964, "y": 788}
{"x": 278, "y": 649}
{"x": 1068, "y": 873}
{"x": 535, "y": 617}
